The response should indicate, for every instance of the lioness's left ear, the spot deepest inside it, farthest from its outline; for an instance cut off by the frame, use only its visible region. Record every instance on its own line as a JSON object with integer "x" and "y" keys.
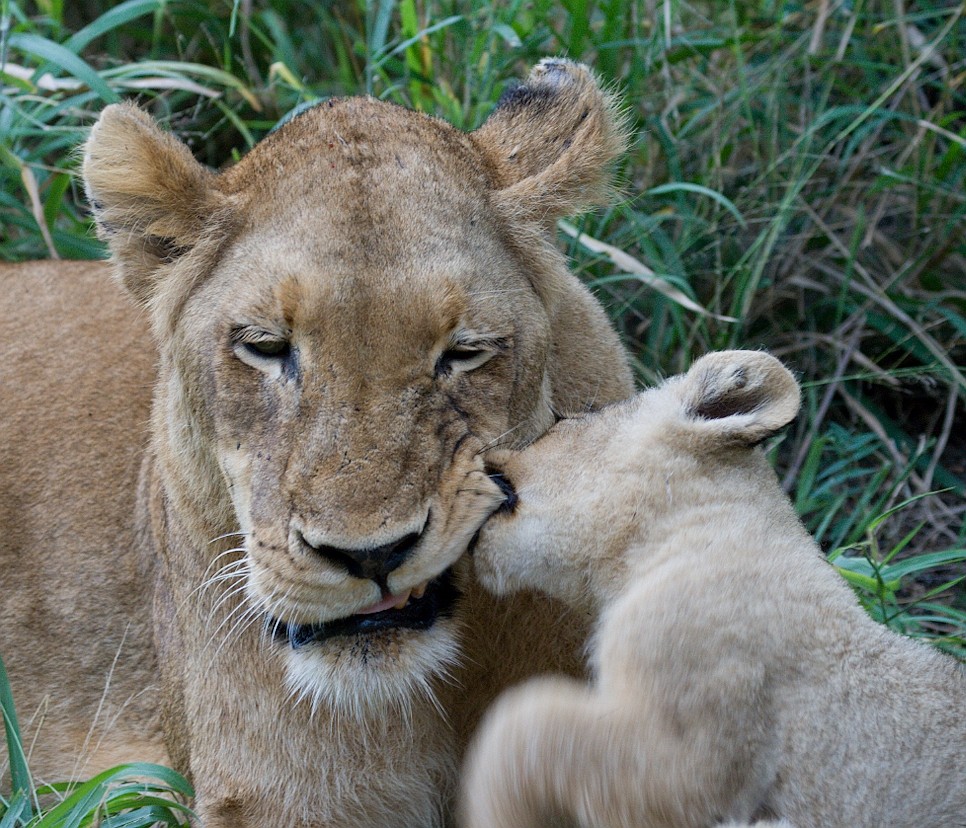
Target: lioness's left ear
{"x": 550, "y": 142}
{"x": 740, "y": 396}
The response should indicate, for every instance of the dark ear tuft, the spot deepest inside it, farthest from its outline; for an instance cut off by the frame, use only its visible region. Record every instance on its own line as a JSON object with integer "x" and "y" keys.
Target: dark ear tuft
{"x": 550, "y": 142}
{"x": 520, "y": 96}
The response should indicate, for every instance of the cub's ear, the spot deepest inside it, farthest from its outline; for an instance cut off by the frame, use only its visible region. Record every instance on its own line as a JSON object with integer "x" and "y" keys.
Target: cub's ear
{"x": 740, "y": 396}
{"x": 152, "y": 201}
{"x": 550, "y": 142}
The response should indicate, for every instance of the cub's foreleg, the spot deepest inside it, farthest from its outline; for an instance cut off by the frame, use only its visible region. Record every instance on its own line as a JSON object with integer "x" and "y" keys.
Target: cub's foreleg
{"x": 554, "y": 753}
{"x": 542, "y": 758}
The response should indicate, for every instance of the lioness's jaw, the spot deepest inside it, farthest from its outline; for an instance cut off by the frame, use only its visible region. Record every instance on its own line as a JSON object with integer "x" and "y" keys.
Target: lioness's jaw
{"x": 365, "y": 681}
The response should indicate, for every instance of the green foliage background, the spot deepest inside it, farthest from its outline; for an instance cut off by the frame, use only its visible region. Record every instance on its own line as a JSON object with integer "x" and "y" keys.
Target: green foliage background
{"x": 796, "y": 183}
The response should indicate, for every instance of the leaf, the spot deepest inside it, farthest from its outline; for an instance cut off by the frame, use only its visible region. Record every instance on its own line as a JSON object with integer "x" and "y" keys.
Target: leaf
{"x": 279, "y": 69}
{"x": 509, "y": 35}
{"x": 863, "y": 573}
{"x": 639, "y": 270}
{"x": 20, "y": 780}
{"x": 57, "y": 187}
{"x": 33, "y": 191}
{"x": 112, "y": 19}
{"x": 84, "y": 799}
{"x": 380, "y": 30}
{"x": 449, "y": 21}
{"x": 17, "y": 812}
{"x": 927, "y": 561}
{"x": 54, "y": 53}
{"x": 170, "y": 83}
{"x": 178, "y": 70}
{"x": 684, "y": 186}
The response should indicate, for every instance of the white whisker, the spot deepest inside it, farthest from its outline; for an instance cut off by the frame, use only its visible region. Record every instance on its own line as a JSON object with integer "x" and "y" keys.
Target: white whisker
{"x": 240, "y": 576}
{"x": 498, "y": 440}
{"x": 244, "y": 621}
{"x": 228, "y": 535}
{"x": 241, "y": 607}
{"x": 207, "y": 581}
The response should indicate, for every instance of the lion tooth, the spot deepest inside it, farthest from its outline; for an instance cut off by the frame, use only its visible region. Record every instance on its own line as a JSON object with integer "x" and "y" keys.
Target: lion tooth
{"x": 403, "y": 600}
{"x": 420, "y": 591}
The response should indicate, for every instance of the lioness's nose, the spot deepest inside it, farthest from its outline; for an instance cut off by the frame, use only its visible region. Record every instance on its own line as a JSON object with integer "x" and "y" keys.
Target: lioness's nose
{"x": 374, "y": 563}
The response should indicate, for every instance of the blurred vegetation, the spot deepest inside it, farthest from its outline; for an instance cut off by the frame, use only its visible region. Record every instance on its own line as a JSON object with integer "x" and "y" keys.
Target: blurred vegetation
{"x": 797, "y": 184}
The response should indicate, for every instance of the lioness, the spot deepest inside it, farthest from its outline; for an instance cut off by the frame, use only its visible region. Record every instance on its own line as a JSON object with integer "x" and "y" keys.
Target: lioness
{"x": 736, "y": 675}
{"x": 263, "y": 579}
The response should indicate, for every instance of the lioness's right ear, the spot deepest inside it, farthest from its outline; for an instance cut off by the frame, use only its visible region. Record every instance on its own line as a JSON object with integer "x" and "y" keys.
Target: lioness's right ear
{"x": 150, "y": 198}
{"x": 739, "y": 396}
{"x": 551, "y": 141}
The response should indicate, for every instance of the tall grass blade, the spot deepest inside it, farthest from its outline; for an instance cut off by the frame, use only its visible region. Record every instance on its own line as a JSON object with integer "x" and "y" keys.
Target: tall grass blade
{"x": 47, "y": 50}
{"x": 112, "y": 19}
{"x": 700, "y": 189}
{"x": 20, "y": 782}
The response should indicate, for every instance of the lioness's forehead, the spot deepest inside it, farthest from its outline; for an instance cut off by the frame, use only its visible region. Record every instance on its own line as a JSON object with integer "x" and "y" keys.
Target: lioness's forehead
{"x": 357, "y": 190}
{"x": 297, "y": 275}
{"x": 357, "y": 203}
{"x": 362, "y": 164}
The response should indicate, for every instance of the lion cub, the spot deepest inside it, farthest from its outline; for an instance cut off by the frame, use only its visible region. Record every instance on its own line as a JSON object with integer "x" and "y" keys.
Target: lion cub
{"x": 736, "y": 676}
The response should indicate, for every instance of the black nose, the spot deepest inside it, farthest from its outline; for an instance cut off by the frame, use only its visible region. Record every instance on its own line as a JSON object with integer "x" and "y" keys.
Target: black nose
{"x": 373, "y": 564}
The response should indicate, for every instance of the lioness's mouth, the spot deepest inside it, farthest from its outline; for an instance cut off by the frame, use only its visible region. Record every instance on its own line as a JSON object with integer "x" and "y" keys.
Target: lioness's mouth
{"x": 418, "y": 610}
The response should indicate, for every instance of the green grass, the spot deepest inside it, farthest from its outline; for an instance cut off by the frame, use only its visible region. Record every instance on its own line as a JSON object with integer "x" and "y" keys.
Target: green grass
{"x": 136, "y": 795}
{"x": 797, "y": 183}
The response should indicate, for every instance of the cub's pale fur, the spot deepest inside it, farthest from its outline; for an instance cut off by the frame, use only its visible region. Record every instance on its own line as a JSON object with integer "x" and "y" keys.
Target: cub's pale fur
{"x": 341, "y": 323}
{"x": 736, "y": 677}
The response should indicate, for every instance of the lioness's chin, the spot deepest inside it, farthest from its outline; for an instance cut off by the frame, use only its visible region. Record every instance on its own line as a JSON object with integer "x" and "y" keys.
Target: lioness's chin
{"x": 363, "y": 663}
{"x": 364, "y": 674}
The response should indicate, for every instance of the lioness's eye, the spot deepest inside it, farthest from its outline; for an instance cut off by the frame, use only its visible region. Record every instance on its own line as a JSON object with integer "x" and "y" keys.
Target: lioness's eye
{"x": 277, "y": 348}
{"x": 263, "y": 350}
{"x": 462, "y": 358}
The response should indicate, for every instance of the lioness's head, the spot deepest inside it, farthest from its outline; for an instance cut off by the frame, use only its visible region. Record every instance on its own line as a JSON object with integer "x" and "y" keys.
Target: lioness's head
{"x": 599, "y": 492}
{"x": 346, "y": 319}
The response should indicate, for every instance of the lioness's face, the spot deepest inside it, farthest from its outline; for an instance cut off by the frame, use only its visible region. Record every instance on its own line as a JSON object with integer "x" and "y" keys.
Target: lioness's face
{"x": 347, "y": 318}
{"x": 352, "y": 372}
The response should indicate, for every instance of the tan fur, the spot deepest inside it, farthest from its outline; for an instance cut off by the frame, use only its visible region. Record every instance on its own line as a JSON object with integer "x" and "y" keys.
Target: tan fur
{"x": 736, "y": 676}
{"x": 374, "y": 241}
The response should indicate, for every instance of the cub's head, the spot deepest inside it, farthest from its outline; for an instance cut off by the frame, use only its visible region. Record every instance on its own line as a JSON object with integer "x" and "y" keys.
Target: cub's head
{"x": 597, "y": 491}
{"x": 346, "y": 319}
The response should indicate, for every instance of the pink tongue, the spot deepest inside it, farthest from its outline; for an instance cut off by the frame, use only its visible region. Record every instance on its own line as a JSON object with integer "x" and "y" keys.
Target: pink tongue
{"x": 379, "y": 606}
